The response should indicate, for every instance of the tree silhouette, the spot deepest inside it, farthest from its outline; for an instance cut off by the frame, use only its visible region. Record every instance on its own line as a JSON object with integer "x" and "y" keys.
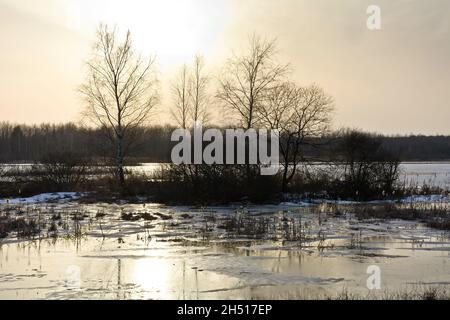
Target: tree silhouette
{"x": 120, "y": 91}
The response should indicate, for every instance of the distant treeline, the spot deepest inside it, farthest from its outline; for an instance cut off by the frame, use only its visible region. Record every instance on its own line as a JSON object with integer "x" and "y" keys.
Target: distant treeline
{"x": 25, "y": 143}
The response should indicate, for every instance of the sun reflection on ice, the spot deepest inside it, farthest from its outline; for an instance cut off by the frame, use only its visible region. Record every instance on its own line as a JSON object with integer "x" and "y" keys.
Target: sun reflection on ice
{"x": 153, "y": 275}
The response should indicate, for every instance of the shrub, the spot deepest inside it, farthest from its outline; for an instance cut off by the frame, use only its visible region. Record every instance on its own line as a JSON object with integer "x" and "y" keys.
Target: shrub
{"x": 369, "y": 170}
{"x": 61, "y": 172}
{"x": 206, "y": 184}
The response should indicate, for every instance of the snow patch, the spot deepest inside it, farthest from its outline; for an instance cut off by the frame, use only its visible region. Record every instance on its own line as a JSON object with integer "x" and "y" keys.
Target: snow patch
{"x": 45, "y": 197}
{"x": 427, "y": 198}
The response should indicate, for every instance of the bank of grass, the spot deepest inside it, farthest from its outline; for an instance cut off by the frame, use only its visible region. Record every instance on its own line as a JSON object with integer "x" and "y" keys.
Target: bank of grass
{"x": 409, "y": 293}
{"x": 418, "y": 292}
{"x": 436, "y": 216}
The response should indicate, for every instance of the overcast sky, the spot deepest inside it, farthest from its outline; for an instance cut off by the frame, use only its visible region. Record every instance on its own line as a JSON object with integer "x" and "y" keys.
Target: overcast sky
{"x": 395, "y": 80}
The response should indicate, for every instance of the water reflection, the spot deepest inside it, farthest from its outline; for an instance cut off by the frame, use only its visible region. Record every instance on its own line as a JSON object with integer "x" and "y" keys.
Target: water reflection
{"x": 179, "y": 262}
{"x": 153, "y": 275}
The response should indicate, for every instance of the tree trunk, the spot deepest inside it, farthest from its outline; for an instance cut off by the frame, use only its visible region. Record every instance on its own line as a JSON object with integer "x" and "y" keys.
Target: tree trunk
{"x": 248, "y": 172}
{"x": 284, "y": 182}
{"x": 119, "y": 160}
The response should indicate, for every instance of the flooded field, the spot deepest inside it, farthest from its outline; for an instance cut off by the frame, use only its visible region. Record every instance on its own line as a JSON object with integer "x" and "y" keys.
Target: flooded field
{"x": 435, "y": 174}
{"x": 150, "y": 251}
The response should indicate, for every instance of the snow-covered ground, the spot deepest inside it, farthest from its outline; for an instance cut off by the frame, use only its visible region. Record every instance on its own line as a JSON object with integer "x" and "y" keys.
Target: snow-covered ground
{"x": 72, "y": 196}
{"x": 43, "y": 198}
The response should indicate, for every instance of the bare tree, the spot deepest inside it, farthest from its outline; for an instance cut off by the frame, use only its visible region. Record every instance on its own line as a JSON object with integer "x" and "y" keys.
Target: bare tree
{"x": 180, "y": 92}
{"x": 300, "y": 114}
{"x": 247, "y": 78}
{"x": 198, "y": 91}
{"x": 120, "y": 91}
{"x": 190, "y": 94}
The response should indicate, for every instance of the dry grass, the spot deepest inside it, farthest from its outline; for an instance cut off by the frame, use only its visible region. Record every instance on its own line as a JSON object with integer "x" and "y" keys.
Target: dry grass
{"x": 435, "y": 216}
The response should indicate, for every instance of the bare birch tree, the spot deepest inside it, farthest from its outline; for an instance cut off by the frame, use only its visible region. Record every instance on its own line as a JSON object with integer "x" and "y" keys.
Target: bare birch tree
{"x": 190, "y": 95}
{"x": 120, "y": 91}
{"x": 198, "y": 91}
{"x": 180, "y": 92}
{"x": 247, "y": 78}
{"x": 300, "y": 114}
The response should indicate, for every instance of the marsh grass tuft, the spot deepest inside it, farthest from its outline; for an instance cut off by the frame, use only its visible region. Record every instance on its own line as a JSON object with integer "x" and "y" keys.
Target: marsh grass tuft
{"x": 435, "y": 216}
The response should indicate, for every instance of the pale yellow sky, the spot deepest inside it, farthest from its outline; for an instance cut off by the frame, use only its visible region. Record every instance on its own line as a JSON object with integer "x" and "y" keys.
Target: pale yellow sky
{"x": 395, "y": 80}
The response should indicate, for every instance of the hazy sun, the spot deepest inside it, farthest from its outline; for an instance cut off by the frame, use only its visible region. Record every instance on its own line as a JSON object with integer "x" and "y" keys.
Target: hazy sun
{"x": 175, "y": 30}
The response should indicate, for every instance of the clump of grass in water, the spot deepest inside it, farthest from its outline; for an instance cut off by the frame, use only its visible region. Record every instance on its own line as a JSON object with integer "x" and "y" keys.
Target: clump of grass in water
{"x": 26, "y": 228}
{"x": 53, "y": 230}
{"x": 435, "y": 216}
{"x": 281, "y": 227}
{"x": 248, "y": 226}
{"x": 129, "y": 217}
{"x": 356, "y": 240}
{"x": 145, "y": 216}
